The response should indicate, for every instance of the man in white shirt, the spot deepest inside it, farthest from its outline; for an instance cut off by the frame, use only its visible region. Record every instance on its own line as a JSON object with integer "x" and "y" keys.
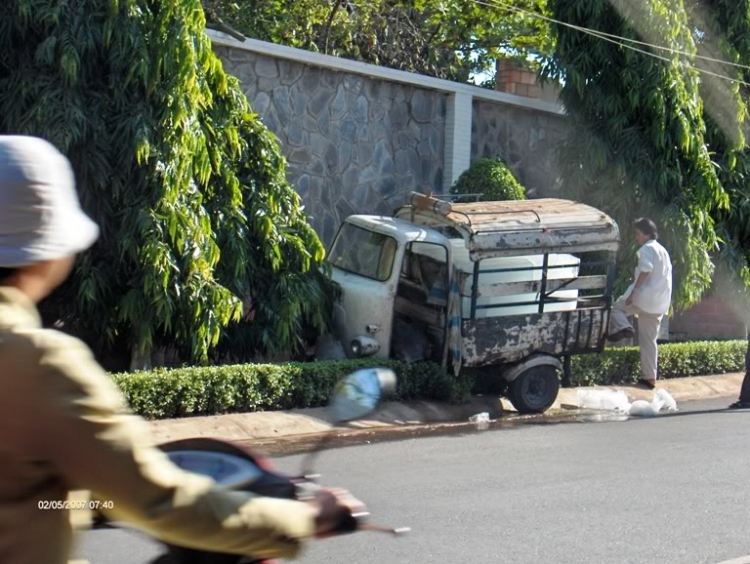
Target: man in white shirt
{"x": 648, "y": 298}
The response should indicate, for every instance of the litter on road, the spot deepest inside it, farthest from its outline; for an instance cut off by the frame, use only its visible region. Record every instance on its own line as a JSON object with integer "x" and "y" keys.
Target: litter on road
{"x": 481, "y": 419}
{"x": 611, "y": 400}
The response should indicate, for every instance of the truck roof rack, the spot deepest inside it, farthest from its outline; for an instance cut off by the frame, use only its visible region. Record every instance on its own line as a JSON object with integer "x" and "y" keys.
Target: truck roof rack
{"x": 518, "y": 227}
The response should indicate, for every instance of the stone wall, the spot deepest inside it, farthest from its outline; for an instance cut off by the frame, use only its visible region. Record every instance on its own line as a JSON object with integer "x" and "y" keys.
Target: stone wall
{"x": 354, "y": 144}
{"x": 360, "y": 144}
{"x": 527, "y": 140}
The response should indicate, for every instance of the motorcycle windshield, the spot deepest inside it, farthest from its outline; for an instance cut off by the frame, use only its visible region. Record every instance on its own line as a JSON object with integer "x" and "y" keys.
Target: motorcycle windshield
{"x": 223, "y": 468}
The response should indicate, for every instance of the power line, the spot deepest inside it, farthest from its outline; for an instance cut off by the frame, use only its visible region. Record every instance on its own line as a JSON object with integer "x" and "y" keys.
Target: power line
{"x": 700, "y": 70}
{"x": 618, "y": 40}
{"x": 499, "y": 4}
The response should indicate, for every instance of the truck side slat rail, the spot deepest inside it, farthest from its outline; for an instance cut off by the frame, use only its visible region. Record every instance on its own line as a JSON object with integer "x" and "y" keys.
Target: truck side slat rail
{"x": 534, "y": 287}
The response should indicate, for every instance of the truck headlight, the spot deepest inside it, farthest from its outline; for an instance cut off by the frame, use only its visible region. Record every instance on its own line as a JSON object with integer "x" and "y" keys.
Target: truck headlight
{"x": 364, "y": 346}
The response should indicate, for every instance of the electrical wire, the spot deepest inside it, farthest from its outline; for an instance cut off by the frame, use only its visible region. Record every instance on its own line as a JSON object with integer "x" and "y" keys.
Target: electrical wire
{"x": 618, "y": 40}
{"x": 499, "y": 4}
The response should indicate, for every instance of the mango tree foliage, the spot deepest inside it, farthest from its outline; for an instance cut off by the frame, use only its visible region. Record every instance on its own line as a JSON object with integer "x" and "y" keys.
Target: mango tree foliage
{"x": 725, "y": 27}
{"x": 638, "y": 139}
{"x": 724, "y": 33}
{"x": 187, "y": 185}
{"x": 444, "y": 38}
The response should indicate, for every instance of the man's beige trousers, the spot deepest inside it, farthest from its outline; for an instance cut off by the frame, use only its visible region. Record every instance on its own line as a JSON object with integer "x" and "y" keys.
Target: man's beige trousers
{"x": 648, "y": 332}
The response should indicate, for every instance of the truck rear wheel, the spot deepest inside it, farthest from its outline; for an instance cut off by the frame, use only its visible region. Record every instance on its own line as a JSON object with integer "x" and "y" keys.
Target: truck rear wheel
{"x": 534, "y": 390}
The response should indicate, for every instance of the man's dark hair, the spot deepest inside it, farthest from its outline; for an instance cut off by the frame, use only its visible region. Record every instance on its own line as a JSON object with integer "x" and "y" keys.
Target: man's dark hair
{"x": 6, "y": 272}
{"x": 647, "y": 227}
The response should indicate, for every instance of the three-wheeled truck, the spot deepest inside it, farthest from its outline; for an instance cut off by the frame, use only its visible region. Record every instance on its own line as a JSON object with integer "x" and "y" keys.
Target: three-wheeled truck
{"x": 514, "y": 288}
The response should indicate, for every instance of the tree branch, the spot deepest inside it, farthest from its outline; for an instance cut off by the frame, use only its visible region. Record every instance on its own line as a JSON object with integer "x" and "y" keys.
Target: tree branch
{"x": 332, "y": 15}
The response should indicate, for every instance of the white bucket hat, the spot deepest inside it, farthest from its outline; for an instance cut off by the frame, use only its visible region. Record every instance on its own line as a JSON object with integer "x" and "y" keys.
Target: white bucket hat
{"x": 40, "y": 216}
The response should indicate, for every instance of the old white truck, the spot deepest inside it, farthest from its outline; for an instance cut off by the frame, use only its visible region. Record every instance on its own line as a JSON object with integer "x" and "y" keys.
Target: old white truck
{"x": 513, "y": 287}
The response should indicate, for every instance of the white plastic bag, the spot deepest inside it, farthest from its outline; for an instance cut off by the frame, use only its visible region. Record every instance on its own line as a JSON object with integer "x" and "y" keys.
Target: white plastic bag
{"x": 642, "y": 408}
{"x": 603, "y": 399}
{"x": 590, "y": 399}
{"x": 669, "y": 402}
{"x": 662, "y": 402}
{"x": 617, "y": 401}
{"x": 482, "y": 421}
{"x": 611, "y": 400}
{"x": 480, "y": 418}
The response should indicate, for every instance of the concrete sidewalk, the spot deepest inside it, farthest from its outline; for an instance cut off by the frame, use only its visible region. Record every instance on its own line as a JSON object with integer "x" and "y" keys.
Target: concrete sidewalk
{"x": 300, "y": 422}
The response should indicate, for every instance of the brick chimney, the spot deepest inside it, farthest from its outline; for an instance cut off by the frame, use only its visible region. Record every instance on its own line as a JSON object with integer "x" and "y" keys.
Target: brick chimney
{"x": 514, "y": 78}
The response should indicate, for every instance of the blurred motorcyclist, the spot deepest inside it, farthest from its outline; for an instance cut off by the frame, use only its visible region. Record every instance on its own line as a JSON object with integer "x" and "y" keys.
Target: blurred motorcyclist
{"x": 63, "y": 423}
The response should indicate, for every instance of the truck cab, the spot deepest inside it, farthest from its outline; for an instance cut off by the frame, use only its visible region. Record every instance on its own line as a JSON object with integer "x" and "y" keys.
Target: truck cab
{"x": 390, "y": 270}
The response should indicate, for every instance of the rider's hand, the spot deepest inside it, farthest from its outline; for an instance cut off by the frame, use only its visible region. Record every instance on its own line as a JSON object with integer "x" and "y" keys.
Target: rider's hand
{"x": 333, "y": 506}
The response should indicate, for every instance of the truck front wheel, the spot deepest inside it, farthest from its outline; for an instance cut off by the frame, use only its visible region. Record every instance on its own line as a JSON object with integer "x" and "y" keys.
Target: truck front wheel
{"x": 534, "y": 390}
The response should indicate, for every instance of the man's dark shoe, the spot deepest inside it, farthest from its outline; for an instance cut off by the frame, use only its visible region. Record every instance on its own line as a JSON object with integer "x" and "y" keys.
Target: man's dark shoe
{"x": 740, "y": 405}
{"x": 646, "y": 384}
{"x": 620, "y": 335}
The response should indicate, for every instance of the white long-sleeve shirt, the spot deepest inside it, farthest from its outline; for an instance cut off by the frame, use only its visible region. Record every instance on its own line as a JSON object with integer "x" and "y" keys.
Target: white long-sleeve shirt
{"x": 655, "y": 295}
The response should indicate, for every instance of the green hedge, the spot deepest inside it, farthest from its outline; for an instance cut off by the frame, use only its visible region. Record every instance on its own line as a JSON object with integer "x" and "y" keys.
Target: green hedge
{"x": 262, "y": 387}
{"x": 622, "y": 365}
{"x": 243, "y": 388}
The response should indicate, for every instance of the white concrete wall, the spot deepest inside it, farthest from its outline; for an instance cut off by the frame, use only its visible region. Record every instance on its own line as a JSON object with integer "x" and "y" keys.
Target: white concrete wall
{"x": 457, "y": 137}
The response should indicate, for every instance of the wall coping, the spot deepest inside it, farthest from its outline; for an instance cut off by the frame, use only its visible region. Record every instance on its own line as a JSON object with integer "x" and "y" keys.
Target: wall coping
{"x": 374, "y": 71}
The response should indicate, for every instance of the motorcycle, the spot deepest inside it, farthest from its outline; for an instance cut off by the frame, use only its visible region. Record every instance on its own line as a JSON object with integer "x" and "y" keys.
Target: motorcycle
{"x": 237, "y": 466}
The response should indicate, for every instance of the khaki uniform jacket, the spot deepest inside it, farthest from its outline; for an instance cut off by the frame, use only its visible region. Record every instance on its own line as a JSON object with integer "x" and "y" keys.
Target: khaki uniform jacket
{"x": 64, "y": 426}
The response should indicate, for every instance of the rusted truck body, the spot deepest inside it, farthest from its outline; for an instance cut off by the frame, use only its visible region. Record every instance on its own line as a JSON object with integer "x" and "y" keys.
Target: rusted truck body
{"x": 513, "y": 288}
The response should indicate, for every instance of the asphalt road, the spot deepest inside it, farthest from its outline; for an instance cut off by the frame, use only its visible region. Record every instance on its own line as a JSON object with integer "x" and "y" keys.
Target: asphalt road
{"x": 675, "y": 489}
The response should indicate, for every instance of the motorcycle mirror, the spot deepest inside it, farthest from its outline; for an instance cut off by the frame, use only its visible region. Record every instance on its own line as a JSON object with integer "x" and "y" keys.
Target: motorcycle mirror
{"x": 360, "y": 393}
{"x": 353, "y": 397}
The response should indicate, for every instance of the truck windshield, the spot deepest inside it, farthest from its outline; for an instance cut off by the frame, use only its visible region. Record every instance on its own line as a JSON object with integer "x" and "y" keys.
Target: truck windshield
{"x": 364, "y": 252}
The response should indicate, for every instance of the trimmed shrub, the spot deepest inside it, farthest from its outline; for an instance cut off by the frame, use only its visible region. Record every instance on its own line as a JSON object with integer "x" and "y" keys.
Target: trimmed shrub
{"x": 182, "y": 392}
{"x": 676, "y": 360}
{"x": 490, "y": 177}
{"x": 242, "y": 388}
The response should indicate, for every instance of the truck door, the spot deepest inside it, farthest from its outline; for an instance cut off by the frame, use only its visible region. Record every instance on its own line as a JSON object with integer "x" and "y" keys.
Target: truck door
{"x": 421, "y": 303}
{"x": 364, "y": 265}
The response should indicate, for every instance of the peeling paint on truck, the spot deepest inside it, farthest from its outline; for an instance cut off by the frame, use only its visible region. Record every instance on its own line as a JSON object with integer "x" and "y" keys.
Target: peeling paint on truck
{"x": 548, "y": 228}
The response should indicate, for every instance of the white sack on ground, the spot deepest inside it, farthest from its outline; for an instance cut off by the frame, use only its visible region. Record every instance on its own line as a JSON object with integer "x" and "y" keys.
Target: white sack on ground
{"x": 611, "y": 400}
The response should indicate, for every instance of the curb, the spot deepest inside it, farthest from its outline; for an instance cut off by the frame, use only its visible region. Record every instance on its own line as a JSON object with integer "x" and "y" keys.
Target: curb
{"x": 681, "y": 389}
{"x": 300, "y": 422}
